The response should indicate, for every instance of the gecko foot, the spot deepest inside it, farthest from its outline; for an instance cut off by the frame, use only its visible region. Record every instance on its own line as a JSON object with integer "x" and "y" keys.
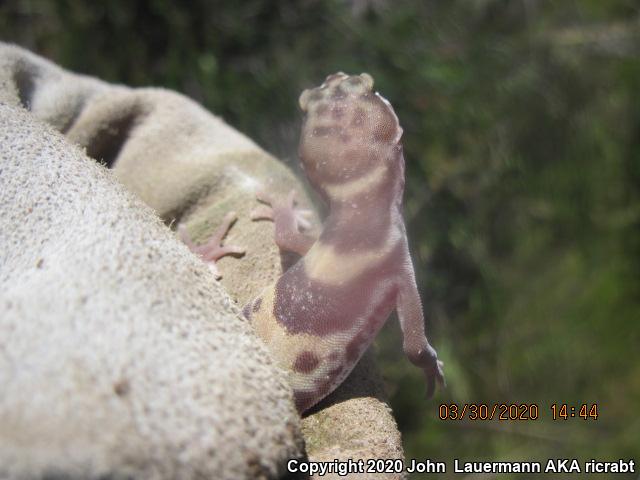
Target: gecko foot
{"x": 268, "y": 211}
{"x": 212, "y": 250}
{"x": 289, "y": 221}
{"x": 426, "y": 358}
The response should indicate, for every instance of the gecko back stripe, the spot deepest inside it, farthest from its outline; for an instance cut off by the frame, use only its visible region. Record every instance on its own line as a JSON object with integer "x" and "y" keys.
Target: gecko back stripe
{"x": 318, "y": 308}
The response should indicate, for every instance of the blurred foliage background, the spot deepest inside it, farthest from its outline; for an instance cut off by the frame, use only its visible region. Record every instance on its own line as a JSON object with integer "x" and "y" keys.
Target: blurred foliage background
{"x": 522, "y": 141}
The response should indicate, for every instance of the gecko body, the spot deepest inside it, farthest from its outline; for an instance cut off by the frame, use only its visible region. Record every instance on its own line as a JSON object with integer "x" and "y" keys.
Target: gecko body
{"x": 324, "y": 312}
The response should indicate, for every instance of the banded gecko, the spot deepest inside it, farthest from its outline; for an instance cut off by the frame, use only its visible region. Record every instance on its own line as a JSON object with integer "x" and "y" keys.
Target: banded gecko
{"x": 322, "y": 314}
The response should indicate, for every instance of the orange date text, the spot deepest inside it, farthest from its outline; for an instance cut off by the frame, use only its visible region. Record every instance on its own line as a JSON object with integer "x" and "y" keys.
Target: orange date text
{"x": 483, "y": 411}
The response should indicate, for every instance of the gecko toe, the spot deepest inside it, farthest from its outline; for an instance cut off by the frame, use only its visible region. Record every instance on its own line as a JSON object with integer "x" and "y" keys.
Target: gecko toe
{"x": 264, "y": 197}
{"x": 435, "y": 376}
{"x": 440, "y": 375}
{"x": 262, "y": 212}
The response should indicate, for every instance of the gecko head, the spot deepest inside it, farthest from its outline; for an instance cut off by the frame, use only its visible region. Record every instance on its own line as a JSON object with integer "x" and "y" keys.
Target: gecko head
{"x": 349, "y": 133}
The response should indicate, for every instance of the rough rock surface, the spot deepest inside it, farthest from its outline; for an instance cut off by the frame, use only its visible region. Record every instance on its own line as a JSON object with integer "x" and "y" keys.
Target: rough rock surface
{"x": 119, "y": 352}
{"x": 109, "y": 364}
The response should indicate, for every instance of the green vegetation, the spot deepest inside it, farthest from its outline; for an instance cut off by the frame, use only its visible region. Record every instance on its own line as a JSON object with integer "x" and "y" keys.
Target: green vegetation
{"x": 522, "y": 141}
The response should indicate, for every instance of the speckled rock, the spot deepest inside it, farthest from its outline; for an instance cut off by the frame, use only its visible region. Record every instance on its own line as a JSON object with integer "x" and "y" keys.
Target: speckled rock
{"x": 120, "y": 354}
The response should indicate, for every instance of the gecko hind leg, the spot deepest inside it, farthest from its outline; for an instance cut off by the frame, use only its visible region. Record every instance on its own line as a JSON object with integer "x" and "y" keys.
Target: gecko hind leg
{"x": 289, "y": 221}
{"x": 213, "y": 250}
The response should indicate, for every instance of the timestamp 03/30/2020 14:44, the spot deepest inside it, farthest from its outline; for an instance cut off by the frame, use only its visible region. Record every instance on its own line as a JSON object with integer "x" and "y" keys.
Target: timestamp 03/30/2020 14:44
{"x": 515, "y": 411}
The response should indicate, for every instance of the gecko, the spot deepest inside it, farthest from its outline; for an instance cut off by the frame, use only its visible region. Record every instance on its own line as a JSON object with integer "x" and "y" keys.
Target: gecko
{"x": 322, "y": 314}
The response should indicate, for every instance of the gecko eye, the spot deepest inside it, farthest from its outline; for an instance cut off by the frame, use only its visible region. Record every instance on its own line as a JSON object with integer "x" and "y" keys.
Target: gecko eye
{"x": 367, "y": 80}
{"x": 364, "y": 80}
{"x": 307, "y": 97}
{"x": 303, "y": 100}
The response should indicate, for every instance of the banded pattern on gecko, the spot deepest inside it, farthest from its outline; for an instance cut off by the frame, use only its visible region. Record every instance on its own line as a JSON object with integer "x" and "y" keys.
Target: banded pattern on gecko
{"x": 323, "y": 313}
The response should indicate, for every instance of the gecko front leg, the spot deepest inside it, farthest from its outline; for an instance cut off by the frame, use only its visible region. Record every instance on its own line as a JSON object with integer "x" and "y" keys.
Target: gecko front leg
{"x": 213, "y": 250}
{"x": 288, "y": 221}
{"x": 415, "y": 344}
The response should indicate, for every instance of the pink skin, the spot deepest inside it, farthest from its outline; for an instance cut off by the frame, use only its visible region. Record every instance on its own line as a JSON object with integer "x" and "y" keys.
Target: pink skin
{"x": 212, "y": 250}
{"x": 349, "y": 134}
{"x": 338, "y": 306}
{"x": 288, "y": 220}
